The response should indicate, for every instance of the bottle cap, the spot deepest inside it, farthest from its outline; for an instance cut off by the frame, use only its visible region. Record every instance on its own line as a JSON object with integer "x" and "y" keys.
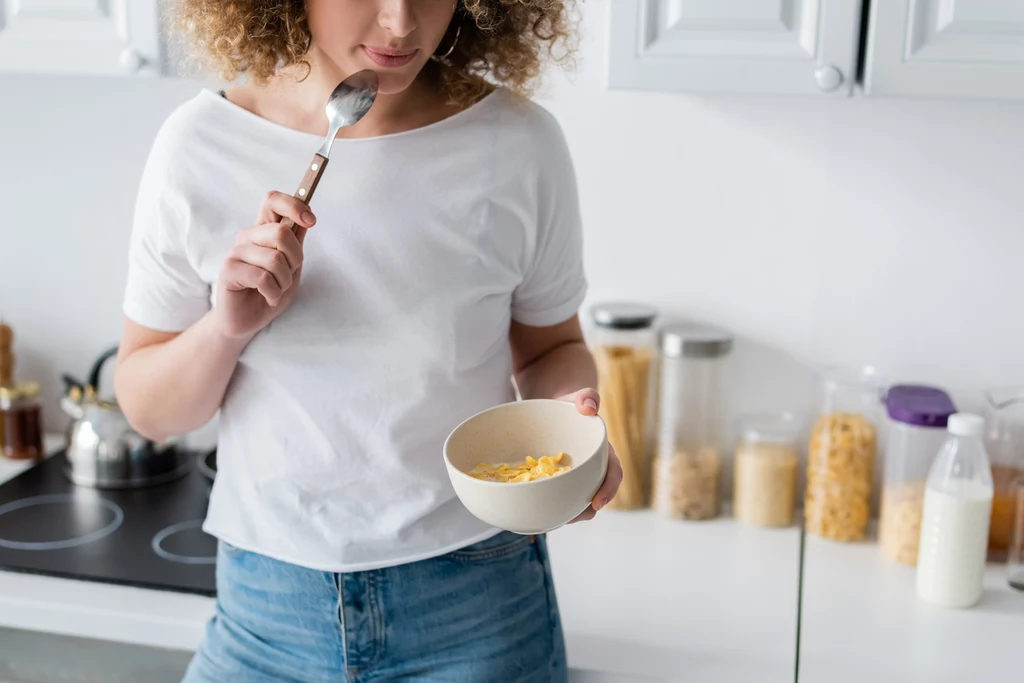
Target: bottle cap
{"x": 965, "y": 424}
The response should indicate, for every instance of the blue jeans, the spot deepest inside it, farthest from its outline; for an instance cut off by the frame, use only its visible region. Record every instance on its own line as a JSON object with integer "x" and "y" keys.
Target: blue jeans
{"x": 484, "y": 613}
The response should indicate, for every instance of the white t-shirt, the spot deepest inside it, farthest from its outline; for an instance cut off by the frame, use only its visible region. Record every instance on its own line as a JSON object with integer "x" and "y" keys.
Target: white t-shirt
{"x": 427, "y": 244}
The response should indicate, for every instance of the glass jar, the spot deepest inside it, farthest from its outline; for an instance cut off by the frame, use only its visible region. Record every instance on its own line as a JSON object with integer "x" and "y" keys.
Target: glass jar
{"x": 688, "y": 462}
{"x": 916, "y": 431}
{"x": 22, "y": 415}
{"x": 764, "y": 480}
{"x": 1005, "y": 441}
{"x": 1015, "y": 556}
{"x": 622, "y": 340}
{"x": 954, "y": 527}
{"x": 841, "y": 455}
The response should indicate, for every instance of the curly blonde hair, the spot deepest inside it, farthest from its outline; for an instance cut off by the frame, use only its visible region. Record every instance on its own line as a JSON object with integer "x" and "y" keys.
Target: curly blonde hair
{"x": 500, "y": 42}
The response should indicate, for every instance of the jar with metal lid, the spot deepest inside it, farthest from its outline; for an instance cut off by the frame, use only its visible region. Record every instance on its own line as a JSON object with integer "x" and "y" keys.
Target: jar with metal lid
{"x": 21, "y": 414}
{"x": 841, "y": 455}
{"x": 622, "y": 339}
{"x": 916, "y": 433}
{"x": 1005, "y": 443}
{"x": 687, "y": 470}
{"x": 765, "y": 469}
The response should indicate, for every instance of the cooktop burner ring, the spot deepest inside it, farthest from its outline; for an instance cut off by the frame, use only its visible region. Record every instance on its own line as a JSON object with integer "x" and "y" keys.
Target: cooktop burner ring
{"x": 55, "y": 499}
{"x": 164, "y": 534}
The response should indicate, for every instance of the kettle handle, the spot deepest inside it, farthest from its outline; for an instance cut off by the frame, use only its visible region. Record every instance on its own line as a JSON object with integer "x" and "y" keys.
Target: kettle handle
{"x": 97, "y": 368}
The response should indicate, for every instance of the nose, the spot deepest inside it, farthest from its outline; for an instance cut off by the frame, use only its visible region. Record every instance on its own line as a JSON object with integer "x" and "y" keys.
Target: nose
{"x": 396, "y": 17}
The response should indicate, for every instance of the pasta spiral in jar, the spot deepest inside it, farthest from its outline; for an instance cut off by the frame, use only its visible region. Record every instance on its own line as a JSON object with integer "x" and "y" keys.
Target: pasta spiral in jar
{"x": 841, "y": 457}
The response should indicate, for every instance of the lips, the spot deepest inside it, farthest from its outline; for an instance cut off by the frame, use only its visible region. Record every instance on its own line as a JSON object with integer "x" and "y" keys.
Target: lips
{"x": 388, "y": 57}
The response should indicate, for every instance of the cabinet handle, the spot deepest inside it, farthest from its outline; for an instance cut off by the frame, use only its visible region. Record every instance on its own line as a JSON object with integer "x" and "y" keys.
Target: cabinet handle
{"x": 828, "y": 78}
{"x": 131, "y": 60}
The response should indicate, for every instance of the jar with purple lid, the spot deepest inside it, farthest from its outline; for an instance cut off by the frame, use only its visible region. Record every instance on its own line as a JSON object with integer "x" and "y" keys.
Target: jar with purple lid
{"x": 917, "y": 431}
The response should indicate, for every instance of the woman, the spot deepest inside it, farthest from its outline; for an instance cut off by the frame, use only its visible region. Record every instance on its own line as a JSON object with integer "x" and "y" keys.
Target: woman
{"x": 444, "y": 258}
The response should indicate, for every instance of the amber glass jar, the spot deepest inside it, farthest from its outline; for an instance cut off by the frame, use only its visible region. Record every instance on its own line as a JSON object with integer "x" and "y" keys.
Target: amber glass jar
{"x": 21, "y": 413}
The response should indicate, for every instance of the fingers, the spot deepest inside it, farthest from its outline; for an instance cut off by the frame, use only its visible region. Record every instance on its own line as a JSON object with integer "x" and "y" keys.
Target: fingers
{"x": 270, "y": 260}
{"x": 278, "y": 205}
{"x": 585, "y": 516}
{"x": 275, "y": 236}
{"x": 587, "y": 401}
{"x": 612, "y": 479}
{"x": 239, "y": 275}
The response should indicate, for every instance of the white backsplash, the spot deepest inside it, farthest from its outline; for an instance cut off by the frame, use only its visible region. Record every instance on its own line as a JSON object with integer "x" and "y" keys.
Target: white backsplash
{"x": 844, "y": 231}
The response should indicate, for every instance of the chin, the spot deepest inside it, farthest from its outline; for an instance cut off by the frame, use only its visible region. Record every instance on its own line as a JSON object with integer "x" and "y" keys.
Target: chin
{"x": 392, "y": 83}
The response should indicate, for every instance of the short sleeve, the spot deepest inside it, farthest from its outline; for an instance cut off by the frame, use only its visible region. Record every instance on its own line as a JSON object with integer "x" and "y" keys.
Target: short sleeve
{"x": 554, "y": 283}
{"x": 164, "y": 292}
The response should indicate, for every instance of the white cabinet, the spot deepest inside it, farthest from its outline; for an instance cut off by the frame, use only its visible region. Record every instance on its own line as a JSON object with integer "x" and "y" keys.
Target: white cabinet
{"x": 954, "y": 48}
{"x": 806, "y": 47}
{"x": 80, "y": 37}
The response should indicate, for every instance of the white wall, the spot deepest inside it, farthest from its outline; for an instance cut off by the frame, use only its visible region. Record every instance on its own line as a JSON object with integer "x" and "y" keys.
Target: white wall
{"x": 881, "y": 231}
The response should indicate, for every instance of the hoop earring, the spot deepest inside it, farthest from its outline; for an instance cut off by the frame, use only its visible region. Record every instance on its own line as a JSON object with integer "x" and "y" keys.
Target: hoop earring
{"x": 446, "y": 55}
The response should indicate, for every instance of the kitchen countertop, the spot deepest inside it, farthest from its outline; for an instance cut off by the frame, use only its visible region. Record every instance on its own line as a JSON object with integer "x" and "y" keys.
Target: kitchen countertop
{"x": 645, "y": 598}
{"x": 640, "y": 597}
{"x": 862, "y": 621}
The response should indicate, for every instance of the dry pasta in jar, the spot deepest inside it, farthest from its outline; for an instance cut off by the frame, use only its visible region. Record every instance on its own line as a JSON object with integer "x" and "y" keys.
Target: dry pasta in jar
{"x": 623, "y": 347}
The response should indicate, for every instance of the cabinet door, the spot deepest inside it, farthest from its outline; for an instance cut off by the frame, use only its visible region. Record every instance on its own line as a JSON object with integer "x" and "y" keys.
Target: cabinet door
{"x": 953, "y": 48}
{"x": 803, "y": 47}
{"x": 80, "y": 36}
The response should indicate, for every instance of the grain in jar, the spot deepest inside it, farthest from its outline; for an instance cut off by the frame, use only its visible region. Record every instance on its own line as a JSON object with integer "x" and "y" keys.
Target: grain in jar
{"x": 916, "y": 432}
{"x": 841, "y": 455}
{"x": 622, "y": 340}
{"x": 765, "y": 470}
{"x": 687, "y": 471}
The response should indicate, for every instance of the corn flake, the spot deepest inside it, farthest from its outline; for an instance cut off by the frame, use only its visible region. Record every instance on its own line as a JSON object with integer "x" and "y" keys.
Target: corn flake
{"x": 529, "y": 470}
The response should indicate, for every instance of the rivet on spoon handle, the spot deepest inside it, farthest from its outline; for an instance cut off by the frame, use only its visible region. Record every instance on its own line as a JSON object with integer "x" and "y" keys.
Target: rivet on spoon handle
{"x": 314, "y": 171}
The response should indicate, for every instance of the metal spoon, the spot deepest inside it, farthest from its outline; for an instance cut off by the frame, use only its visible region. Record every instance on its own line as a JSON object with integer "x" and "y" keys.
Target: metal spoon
{"x": 347, "y": 105}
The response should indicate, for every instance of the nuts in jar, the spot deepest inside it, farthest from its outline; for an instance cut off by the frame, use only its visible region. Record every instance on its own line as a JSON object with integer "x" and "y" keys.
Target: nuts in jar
{"x": 899, "y": 525}
{"x": 840, "y": 471}
{"x": 685, "y": 485}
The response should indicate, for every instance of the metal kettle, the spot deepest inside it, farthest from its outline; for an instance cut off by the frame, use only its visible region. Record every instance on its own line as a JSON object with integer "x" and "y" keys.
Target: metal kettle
{"x": 103, "y": 450}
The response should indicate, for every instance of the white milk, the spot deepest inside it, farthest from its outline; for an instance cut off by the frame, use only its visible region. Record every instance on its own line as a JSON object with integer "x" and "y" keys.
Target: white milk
{"x": 954, "y": 542}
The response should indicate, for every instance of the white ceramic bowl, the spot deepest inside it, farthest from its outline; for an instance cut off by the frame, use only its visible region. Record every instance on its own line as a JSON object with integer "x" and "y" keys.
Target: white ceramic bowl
{"x": 509, "y": 433}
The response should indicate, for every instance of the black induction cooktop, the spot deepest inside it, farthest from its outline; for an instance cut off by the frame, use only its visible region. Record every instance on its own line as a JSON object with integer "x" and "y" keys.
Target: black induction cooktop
{"x": 146, "y": 537}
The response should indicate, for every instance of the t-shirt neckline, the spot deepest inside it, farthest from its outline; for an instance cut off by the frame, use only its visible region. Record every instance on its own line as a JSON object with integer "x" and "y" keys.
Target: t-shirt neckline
{"x": 430, "y": 127}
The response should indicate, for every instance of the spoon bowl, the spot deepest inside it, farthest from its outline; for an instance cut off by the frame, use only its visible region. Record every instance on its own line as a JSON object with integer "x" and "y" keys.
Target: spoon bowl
{"x": 346, "y": 106}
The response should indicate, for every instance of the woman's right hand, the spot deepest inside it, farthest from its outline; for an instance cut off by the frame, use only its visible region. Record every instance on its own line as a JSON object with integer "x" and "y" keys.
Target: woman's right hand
{"x": 261, "y": 274}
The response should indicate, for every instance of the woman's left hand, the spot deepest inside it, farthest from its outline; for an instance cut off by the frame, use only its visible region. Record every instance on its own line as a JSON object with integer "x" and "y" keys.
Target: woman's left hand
{"x": 587, "y": 402}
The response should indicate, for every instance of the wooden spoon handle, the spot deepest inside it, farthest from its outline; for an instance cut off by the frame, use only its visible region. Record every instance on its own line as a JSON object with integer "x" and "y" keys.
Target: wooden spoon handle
{"x": 307, "y": 187}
